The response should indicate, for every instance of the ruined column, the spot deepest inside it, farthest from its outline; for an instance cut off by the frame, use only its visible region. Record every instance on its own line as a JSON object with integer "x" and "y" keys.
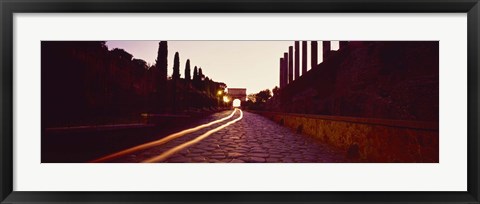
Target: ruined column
{"x": 304, "y": 57}
{"x": 290, "y": 64}
{"x": 326, "y": 49}
{"x": 343, "y": 44}
{"x": 314, "y": 54}
{"x": 285, "y": 68}
{"x": 281, "y": 73}
{"x": 297, "y": 60}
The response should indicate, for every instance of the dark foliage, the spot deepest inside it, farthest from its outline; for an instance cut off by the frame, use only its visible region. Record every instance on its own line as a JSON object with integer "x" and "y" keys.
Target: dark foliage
{"x": 195, "y": 74}
{"x": 162, "y": 62}
{"x": 176, "y": 67}
{"x": 85, "y": 83}
{"x": 200, "y": 74}
{"x": 187, "y": 71}
{"x": 258, "y": 100}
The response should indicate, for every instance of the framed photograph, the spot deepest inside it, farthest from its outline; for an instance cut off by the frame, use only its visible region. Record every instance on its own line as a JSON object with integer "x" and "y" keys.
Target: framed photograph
{"x": 235, "y": 101}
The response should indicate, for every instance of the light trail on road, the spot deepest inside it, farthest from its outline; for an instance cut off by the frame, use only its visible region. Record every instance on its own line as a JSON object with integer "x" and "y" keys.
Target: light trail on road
{"x": 174, "y": 150}
{"x": 161, "y": 141}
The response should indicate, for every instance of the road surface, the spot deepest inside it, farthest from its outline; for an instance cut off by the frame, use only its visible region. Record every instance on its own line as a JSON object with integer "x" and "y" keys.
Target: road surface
{"x": 239, "y": 137}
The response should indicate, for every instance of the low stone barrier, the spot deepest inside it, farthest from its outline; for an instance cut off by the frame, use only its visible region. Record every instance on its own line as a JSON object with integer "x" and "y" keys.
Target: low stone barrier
{"x": 368, "y": 140}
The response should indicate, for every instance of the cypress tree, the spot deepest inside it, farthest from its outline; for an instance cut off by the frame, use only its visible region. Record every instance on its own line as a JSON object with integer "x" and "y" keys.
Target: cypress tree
{"x": 161, "y": 61}
{"x": 198, "y": 83}
{"x": 187, "y": 71}
{"x": 200, "y": 74}
{"x": 159, "y": 99}
{"x": 195, "y": 74}
{"x": 176, "y": 67}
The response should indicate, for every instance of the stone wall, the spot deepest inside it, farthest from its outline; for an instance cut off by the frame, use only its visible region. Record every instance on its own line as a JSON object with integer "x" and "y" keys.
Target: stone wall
{"x": 368, "y": 140}
{"x": 369, "y": 79}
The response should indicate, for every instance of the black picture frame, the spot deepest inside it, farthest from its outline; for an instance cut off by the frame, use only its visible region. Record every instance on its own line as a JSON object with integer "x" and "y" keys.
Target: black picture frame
{"x": 10, "y": 7}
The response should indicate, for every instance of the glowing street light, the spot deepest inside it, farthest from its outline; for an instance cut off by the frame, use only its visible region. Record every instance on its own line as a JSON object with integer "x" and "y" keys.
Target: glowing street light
{"x": 220, "y": 92}
{"x": 226, "y": 99}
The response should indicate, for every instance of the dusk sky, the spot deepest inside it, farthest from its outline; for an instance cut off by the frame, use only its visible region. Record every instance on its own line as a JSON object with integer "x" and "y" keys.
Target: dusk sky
{"x": 239, "y": 64}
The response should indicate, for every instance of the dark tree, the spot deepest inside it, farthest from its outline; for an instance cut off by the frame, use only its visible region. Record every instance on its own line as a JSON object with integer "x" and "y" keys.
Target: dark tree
{"x": 140, "y": 63}
{"x": 197, "y": 78}
{"x": 200, "y": 75}
{"x": 161, "y": 62}
{"x": 121, "y": 54}
{"x": 187, "y": 71}
{"x": 139, "y": 67}
{"x": 258, "y": 100}
{"x": 159, "y": 100}
{"x": 276, "y": 91}
{"x": 176, "y": 67}
{"x": 195, "y": 73}
{"x": 263, "y": 96}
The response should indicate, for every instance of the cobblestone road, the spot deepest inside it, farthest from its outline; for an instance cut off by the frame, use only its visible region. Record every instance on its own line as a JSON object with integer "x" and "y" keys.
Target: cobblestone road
{"x": 252, "y": 139}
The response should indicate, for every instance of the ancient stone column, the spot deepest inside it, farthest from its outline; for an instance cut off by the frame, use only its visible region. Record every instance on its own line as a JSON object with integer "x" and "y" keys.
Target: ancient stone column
{"x": 304, "y": 57}
{"x": 314, "y": 54}
{"x": 281, "y": 74}
{"x": 285, "y": 68}
{"x": 343, "y": 44}
{"x": 297, "y": 60}
{"x": 290, "y": 64}
{"x": 326, "y": 49}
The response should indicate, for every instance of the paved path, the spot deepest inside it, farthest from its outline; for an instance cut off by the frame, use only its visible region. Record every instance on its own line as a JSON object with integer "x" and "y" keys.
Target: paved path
{"x": 252, "y": 139}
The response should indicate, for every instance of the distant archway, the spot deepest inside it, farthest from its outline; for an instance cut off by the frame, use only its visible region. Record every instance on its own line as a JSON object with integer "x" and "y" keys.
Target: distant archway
{"x": 237, "y": 103}
{"x": 237, "y": 95}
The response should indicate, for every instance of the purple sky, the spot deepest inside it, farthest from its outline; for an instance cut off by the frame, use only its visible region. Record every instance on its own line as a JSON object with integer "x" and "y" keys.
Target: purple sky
{"x": 240, "y": 64}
